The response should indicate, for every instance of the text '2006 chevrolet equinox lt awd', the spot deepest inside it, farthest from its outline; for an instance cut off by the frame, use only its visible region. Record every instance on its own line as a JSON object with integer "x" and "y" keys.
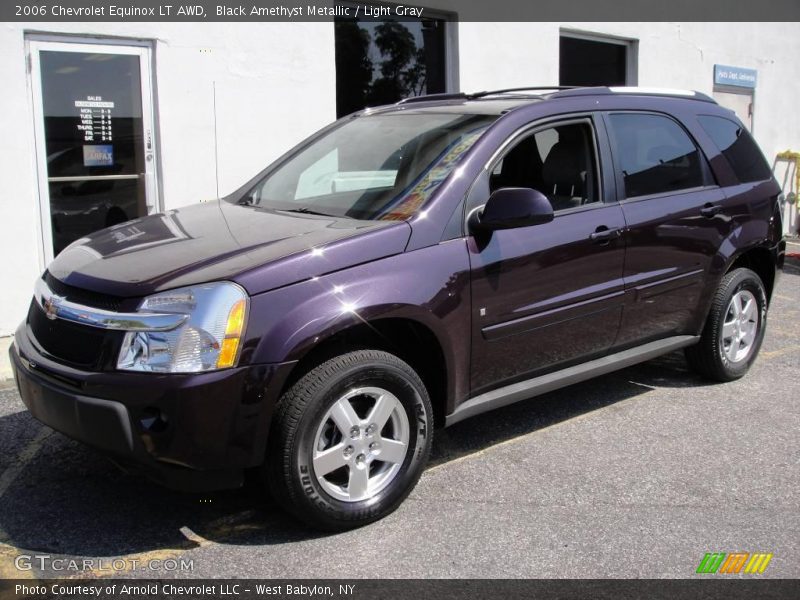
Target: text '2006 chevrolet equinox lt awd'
{"x": 406, "y": 267}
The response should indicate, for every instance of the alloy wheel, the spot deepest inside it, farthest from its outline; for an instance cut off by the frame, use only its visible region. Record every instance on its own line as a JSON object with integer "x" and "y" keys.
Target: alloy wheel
{"x": 361, "y": 444}
{"x": 740, "y": 326}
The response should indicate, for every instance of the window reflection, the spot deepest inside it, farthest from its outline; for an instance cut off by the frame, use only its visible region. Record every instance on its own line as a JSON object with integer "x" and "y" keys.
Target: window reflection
{"x": 381, "y": 62}
{"x": 94, "y": 141}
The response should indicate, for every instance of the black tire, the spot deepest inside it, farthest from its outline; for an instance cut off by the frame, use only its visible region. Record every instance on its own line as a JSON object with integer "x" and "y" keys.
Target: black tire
{"x": 709, "y": 357}
{"x": 303, "y": 411}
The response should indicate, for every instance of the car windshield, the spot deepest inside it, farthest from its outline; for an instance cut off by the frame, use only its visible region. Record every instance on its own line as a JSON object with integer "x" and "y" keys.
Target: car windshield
{"x": 375, "y": 167}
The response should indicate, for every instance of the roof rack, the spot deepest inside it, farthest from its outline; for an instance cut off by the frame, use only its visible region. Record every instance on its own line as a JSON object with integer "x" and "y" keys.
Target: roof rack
{"x": 567, "y": 91}
{"x": 538, "y": 88}
{"x": 475, "y": 95}
{"x": 431, "y": 97}
{"x": 642, "y": 91}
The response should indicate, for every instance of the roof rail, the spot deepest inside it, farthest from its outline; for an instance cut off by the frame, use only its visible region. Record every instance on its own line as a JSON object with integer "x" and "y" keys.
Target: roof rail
{"x": 474, "y": 95}
{"x": 643, "y": 91}
{"x": 430, "y": 97}
{"x": 564, "y": 91}
{"x": 538, "y": 88}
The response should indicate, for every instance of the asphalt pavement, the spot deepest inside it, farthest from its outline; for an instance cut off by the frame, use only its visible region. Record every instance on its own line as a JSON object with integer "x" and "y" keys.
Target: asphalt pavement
{"x": 635, "y": 474}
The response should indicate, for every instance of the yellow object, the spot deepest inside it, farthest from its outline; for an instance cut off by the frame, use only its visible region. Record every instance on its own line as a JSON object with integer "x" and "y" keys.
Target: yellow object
{"x": 793, "y": 158}
{"x": 233, "y": 331}
{"x": 758, "y": 562}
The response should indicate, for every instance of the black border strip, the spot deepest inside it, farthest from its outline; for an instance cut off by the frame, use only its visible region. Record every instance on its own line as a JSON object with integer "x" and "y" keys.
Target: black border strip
{"x": 43, "y": 11}
{"x": 711, "y": 588}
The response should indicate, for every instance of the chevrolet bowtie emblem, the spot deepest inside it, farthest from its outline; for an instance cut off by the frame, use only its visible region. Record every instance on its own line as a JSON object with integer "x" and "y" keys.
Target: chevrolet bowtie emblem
{"x": 50, "y": 306}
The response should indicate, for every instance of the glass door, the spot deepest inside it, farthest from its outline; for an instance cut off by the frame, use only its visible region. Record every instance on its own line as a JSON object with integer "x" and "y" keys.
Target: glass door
{"x": 94, "y": 138}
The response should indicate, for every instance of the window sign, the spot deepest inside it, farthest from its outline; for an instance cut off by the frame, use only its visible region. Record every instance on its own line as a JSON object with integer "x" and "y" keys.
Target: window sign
{"x": 95, "y": 119}
{"x": 98, "y": 156}
{"x": 735, "y": 76}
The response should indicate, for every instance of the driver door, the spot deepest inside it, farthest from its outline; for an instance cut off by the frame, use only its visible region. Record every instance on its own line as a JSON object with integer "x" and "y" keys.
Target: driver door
{"x": 547, "y": 295}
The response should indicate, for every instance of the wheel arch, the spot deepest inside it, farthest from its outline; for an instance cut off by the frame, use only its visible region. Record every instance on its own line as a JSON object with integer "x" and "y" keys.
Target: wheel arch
{"x": 758, "y": 255}
{"x": 761, "y": 261}
{"x": 409, "y": 339}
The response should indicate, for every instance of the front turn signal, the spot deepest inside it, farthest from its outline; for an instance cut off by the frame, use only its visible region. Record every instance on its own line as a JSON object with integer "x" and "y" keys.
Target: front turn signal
{"x": 233, "y": 332}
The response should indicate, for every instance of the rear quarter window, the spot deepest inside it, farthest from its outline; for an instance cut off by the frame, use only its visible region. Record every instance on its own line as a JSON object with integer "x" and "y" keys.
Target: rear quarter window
{"x": 738, "y": 146}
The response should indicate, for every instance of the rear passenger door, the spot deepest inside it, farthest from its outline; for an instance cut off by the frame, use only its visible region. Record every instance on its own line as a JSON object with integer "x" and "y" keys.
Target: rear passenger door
{"x": 675, "y": 223}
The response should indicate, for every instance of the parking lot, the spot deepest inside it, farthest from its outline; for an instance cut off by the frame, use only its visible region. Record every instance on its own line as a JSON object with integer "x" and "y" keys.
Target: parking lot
{"x": 635, "y": 474}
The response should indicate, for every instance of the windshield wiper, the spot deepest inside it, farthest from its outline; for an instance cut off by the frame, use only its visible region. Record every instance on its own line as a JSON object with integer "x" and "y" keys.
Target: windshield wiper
{"x": 307, "y": 211}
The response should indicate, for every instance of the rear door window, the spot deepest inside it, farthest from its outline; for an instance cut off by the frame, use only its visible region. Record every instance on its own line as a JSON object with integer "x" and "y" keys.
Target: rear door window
{"x": 738, "y": 146}
{"x": 655, "y": 154}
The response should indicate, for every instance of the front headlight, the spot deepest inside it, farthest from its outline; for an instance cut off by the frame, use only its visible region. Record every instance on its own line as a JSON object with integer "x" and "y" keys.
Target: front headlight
{"x": 209, "y": 339}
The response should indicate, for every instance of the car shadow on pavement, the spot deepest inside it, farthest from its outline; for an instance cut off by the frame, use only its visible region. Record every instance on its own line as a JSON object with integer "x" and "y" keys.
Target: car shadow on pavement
{"x": 529, "y": 416}
{"x": 69, "y": 500}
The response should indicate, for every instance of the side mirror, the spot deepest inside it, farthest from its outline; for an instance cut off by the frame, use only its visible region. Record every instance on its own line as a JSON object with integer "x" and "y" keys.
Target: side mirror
{"x": 508, "y": 208}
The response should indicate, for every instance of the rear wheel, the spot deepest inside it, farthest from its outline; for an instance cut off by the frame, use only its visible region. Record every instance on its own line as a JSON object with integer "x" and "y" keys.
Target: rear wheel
{"x": 734, "y": 329}
{"x": 350, "y": 440}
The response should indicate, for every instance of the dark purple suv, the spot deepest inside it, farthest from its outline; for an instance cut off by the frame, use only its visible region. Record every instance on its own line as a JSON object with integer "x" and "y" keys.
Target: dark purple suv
{"x": 408, "y": 266}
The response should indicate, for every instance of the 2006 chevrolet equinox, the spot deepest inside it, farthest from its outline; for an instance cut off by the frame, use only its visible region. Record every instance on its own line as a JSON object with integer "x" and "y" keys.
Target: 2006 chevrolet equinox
{"x": 406, "y": 267}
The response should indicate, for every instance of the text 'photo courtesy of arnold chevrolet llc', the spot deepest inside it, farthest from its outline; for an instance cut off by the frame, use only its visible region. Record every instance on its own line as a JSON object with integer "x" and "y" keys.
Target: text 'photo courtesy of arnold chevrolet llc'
{"x": 289, "y": 277}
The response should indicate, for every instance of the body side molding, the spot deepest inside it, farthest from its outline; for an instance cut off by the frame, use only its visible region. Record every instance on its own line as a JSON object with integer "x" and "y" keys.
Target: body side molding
{"x": 575, "y": 374}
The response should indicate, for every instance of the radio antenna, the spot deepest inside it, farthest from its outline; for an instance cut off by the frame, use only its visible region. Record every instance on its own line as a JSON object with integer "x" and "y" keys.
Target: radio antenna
{"x": 216, "y": 153}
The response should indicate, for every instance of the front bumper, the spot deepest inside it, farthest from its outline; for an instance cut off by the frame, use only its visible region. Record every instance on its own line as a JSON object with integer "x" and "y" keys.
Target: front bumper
{"x": 187, "y": 431}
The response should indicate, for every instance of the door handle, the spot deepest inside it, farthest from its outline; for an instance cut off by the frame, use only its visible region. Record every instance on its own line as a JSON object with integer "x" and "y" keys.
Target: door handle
{"x": 603, "y": 235}
{"x": 709, "y": 210}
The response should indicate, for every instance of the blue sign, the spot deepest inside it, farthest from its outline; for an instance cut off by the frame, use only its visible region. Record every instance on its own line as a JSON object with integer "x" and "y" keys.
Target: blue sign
{"x": 98, "y": 156}
{"x": 737, "y": 76}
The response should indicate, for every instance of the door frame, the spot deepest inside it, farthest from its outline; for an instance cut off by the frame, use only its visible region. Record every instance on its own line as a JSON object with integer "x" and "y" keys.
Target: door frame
{"x": 144, "y": 50}
{"x": 743, "y": 92}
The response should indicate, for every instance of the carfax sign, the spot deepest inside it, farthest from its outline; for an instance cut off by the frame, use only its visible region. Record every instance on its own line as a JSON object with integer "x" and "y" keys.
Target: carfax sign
{"x": 737, "y": 76}
{"x": 98, "y": 155}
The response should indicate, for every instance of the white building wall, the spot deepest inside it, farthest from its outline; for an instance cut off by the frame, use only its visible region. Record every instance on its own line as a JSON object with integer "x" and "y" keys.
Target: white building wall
{"x": 275, "y": 84}
{"x": 20, "y": 250}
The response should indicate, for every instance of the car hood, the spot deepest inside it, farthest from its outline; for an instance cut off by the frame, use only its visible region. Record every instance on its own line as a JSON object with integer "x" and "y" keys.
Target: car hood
{"x": 260, "y": 249}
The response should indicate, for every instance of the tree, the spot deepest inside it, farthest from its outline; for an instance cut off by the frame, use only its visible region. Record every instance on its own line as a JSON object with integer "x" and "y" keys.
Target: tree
{"x": 403, "y": 66}
{"x": 353, "y": 67}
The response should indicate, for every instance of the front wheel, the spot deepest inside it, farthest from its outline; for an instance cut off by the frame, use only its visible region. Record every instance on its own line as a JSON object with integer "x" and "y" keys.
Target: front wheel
{"x": 734, "y": 329}
{"x": 350, "y": 440}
